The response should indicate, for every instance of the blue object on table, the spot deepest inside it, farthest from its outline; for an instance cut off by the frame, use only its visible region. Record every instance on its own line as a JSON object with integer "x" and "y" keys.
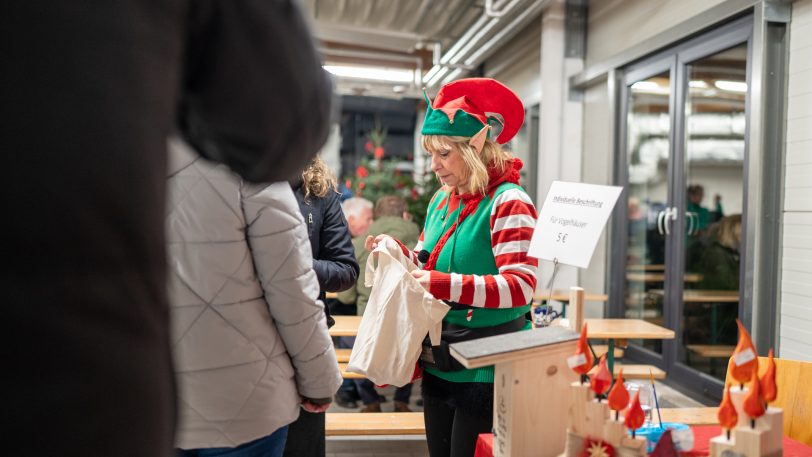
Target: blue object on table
{"x": 653, "y": 432}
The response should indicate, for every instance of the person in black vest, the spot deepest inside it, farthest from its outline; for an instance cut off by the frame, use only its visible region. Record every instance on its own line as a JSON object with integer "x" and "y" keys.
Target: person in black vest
{"x": 336, "y": 270}
{"x": 89, "y": 93}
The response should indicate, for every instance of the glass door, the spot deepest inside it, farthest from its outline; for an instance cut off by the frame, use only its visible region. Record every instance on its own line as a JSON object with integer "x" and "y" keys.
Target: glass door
{"x": 648, "y": 151}
{"x": 713, "y": 172}
{"x": 682, "y": 156}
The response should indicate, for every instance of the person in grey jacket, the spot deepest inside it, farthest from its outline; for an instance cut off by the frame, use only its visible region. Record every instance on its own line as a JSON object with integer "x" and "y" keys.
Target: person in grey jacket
{"x": 248, "y": 331}
{"x": 89, "y": 92}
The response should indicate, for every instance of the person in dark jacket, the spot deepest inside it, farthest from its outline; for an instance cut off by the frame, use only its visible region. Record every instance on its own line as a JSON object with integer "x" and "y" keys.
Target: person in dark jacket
{"x": 336, "y": 270}
{"x": 88, "y": 95}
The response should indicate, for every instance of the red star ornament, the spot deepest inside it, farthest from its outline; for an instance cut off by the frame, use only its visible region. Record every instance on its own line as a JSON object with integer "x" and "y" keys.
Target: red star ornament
{"x": 597, "y": 448}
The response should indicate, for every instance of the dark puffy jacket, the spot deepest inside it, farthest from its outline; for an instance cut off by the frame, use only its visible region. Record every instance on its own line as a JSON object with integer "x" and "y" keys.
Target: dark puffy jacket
{"x": 88, "y": 94}
{"x": 330, "y": 241}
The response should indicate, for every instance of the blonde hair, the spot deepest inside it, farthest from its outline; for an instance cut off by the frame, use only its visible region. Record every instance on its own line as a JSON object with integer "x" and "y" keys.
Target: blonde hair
{"x": 477, "y": 163}
{"x": 728, "y": 231}
{"x": 317, "y": 179}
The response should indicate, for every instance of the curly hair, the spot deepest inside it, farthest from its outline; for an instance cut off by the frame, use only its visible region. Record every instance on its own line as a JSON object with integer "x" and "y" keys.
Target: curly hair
{"x": 477, "y": 163}
{"x": 317, "y": 179}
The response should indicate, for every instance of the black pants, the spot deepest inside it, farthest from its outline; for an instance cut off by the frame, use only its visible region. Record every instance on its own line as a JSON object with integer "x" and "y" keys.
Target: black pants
{"x": 306, "y": 436}
{"x": 455, "y": 415}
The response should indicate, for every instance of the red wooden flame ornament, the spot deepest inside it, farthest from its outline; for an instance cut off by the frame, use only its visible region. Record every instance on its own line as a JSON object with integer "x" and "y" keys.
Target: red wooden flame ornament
{"x": 753, "y": 404}
{"x": 769, "y": 390}
{"x": 602, "y": 379}
{"x": 583, "y": 348}
{"x": 635, "y": 417}
{"x": 618, "y": 396}
{"x": 743, "y": 372}
{"x": 727, "y": 412}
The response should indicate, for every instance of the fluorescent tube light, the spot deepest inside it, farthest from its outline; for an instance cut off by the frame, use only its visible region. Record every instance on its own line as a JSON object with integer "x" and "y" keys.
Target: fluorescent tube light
{"x": 373, "y": 73}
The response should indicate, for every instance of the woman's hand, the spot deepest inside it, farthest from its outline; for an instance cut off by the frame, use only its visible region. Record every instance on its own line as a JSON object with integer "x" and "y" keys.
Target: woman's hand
{"x": 423, "y": 278}
{"x": 311, "y": 407}
{"x": 372, "y": 242}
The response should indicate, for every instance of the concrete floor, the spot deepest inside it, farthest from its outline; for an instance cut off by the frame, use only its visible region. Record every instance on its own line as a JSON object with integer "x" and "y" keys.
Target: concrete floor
{"x": 415, "y": 446}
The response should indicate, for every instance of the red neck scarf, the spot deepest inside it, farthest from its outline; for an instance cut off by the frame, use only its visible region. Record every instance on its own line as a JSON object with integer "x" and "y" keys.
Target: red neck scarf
{"x": 471, "y": 201}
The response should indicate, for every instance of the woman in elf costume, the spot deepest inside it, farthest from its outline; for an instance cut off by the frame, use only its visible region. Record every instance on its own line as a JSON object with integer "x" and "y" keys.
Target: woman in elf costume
{"x": 473, "y": 250}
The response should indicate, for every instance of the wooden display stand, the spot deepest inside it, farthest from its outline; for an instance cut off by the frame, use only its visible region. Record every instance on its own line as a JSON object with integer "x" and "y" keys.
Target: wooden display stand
{"x": 531, "y": 372}
{"x": 762, "y": 441}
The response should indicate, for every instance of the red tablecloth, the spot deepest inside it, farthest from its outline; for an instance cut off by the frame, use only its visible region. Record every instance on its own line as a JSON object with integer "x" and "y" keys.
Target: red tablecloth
{"x": 702, "y": 436}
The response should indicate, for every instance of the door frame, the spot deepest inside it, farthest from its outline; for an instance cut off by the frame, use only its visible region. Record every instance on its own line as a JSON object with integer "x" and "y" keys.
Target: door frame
{"x": 675, "y": 58}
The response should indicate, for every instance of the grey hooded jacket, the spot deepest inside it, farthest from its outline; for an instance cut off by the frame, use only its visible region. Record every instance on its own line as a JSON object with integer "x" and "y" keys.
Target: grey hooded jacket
{"x": 248, "y": 333}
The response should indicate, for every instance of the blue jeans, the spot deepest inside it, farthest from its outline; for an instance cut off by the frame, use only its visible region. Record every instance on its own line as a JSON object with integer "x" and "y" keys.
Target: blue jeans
{"x": 270, "y": 446}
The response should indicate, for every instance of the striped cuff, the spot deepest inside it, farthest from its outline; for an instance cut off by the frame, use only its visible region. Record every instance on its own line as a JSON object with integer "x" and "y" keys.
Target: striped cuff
{"x": 440, "y": 285}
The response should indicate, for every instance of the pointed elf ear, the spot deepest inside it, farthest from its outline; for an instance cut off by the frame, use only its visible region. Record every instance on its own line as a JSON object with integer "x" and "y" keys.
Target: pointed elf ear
{"x": 478, "y": 140}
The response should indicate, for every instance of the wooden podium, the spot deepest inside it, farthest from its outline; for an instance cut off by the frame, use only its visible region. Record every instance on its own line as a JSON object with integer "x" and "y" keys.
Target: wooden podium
{"x": 531, "y": 377}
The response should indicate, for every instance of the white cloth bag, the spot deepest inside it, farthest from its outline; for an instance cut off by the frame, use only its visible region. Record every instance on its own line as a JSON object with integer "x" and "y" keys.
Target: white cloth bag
{"x": 399, "y": 314}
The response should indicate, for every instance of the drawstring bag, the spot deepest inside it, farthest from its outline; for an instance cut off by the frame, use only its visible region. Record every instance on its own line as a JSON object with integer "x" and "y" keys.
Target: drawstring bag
{"x": 399, "y": 314}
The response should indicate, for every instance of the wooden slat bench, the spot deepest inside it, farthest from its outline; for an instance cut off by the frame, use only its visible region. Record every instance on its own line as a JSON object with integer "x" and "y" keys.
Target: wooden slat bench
{"x": 346, "y": 374}
{"x": 711, "y": 350}
{"x": 343, "y": 355}
{"x": 636, "y": 371}
{"x": 601, "y": 349}
{"x": 357, "y": 424}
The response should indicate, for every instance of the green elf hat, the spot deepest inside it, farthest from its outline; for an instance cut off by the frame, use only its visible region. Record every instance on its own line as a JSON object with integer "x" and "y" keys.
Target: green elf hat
{"x": 468, "y": 107}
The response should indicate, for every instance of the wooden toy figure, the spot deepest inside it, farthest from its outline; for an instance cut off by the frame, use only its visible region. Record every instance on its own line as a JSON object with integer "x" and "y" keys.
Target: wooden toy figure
{"x": 602, "y": 379}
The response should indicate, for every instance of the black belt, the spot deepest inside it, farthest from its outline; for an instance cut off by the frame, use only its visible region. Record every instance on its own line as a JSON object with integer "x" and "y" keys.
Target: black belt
{"x": 438, "y": 356}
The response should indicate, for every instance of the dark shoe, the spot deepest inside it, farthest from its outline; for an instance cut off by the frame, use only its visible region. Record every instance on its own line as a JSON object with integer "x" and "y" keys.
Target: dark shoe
{"x": 402, "y": 407}
{"x": 371, "y": 408}
{"x": 343, "y": 402}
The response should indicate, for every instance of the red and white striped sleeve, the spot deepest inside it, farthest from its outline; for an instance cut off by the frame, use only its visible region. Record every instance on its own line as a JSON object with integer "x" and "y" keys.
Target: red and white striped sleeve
{"x": 411, "y": 254}
{"x": 513, "y": 218}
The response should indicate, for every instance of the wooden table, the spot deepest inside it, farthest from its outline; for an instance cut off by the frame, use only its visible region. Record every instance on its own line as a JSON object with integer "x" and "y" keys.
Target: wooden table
{"x": 564, "y": 296}
{"x": 652, "y": 267}
{"x": 660, "y": 277}
{"x": 345, "y": 326}
{"x": 624, "y": 329}
{"x": 712, "y": 297}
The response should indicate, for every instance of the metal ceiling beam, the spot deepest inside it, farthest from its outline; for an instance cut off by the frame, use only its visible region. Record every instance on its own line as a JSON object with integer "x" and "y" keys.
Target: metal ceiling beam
{"x": 382, "y": 39}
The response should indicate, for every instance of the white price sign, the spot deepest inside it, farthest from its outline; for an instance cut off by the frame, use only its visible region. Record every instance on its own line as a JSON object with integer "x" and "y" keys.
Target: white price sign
{"x": 571, "y": 221}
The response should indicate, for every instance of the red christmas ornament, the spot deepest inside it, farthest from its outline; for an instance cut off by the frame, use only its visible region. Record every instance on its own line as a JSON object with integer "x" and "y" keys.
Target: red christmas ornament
{"x": 579, "y": 364}
{"x": 379, "y": 152}
{"x": 753, "y": 403}
{"x": 727, "y": 412}
{"x": 602, "y": 379}
{"x": 769, "y": 390}
{"x": 744, "y": 361}
{"x": 635, "y": 417}
{"x": 619, "y": 396}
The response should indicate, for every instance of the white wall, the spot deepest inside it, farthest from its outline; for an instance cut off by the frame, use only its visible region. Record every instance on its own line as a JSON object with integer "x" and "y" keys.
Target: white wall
{"x": 795, "y": 333}
{"x": 615, "y": 25}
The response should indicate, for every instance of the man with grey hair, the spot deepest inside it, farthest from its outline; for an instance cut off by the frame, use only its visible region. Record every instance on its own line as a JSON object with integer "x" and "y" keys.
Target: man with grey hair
{"x": 358, "y": 212}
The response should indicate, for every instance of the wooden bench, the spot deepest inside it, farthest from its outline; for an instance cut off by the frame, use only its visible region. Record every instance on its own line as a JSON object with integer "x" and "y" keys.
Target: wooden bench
{"x": 343, "y": 355}
{"x": 601, "y": 349}
{"x": 346, "y": 374}
{"x": 366, "y": 424}
{"x": 711, "y": 350}
{"x": 635, "y": 371}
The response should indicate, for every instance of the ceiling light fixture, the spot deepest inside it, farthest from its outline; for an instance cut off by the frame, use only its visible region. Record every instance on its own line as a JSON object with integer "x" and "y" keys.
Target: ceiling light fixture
{"x": 731, "y": 86}
{"x": 697, "y": 84}
{"x": 373, "y": 73}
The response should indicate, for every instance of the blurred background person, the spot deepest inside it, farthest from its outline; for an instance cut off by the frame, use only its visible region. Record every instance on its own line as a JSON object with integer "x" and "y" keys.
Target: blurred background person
{"x": 716, "y": 257}
{"x": 392, "y": 218}
{"x": 358, "y": 211}
{"x": 89, "y": 97}
{"x": 249, "y": 333}
{"x": 336, "y": 269}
